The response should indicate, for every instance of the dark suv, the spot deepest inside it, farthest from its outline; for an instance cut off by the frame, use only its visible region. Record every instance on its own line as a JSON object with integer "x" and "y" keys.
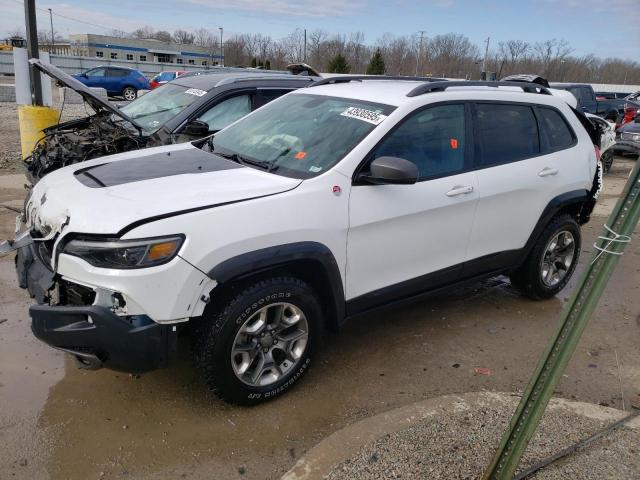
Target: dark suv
{"x": 188, "y": 108}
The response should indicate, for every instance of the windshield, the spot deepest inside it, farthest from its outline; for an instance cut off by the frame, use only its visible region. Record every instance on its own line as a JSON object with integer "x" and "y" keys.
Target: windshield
{"x": 158, "y": 106}
{"x": 300, "y": 135}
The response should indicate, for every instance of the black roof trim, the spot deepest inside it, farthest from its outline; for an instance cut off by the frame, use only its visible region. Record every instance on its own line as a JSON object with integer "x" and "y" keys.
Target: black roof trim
{"x": 442, "y": 86}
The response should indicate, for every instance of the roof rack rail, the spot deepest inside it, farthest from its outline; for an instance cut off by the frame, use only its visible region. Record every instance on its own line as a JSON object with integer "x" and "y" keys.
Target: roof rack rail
{"x": 442, "y": 86}
{"x": 359, "y": 78}
{"x": 272, "y": 76}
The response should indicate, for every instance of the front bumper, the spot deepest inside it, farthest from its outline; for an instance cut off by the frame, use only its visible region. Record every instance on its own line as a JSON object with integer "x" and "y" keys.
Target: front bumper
{"x": 97, "y": 337}
{"x": 94, "y": 334}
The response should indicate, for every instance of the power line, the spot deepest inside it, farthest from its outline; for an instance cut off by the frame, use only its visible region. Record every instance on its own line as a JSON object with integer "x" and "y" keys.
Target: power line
{"x": 19, "y": 2}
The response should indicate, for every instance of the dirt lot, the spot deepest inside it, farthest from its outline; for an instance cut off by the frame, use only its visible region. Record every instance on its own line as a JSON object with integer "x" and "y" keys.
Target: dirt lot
{"x": 62, "y": 423}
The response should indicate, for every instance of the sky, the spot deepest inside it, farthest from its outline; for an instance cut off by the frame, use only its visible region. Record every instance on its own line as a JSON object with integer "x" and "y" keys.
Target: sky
{"x": 605, "y": 28}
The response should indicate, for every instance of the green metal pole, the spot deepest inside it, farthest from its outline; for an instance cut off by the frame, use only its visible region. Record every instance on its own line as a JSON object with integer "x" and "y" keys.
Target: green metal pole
{"x": 575, "y": 316}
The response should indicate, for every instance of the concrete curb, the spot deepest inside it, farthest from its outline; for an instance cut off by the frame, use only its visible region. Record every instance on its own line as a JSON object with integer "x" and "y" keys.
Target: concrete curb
{"x": 343, "y": 444}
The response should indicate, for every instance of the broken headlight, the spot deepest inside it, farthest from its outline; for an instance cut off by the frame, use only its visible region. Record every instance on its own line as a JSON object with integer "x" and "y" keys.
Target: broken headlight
{"x": 126, "y": 253}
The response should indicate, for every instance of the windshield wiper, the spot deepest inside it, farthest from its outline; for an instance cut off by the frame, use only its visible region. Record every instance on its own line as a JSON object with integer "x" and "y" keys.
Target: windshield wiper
{"x": 236, "y": 157}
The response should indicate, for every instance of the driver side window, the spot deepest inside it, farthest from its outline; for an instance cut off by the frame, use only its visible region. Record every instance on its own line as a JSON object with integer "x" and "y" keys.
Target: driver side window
{"x": 98, "y": 72}
{"x": 226, "y": 112}
{"x": 433, "y": 139}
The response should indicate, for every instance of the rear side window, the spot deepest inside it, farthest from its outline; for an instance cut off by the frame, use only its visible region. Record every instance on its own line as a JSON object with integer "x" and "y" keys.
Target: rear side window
{"x": 166, "y": 77}
{"x": 117, "y": 72}
{"x": 555, "y": 129}
{"x": 506, "y": 133}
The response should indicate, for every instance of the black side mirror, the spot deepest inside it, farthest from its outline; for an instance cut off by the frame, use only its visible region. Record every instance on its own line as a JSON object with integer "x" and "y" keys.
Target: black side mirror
{"x": 196, "y": 128}
{"x": 391, "y": 170}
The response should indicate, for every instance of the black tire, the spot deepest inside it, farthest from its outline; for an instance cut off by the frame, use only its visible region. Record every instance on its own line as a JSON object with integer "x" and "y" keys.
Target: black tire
{"x": 215, "y": 336}
{"x": 528, "y": 278}
{"x": 607, "y": 160}
{"x": 129, "y": 93}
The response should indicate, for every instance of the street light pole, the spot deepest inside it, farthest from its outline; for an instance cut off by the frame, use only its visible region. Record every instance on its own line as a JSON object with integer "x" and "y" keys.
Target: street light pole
{"x": 484, "y": 60}
{"x": 221, "y": 50}
{"x": 419, "y": 54}
{"x": 52, "y": 37}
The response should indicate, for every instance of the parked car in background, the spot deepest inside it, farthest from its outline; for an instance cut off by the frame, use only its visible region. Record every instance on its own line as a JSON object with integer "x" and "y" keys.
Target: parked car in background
{"x": 165, "y": 77}
{"x": 611, "y": 95}
{"x": 185, "y": 109}
{"x": 607, "y": 139}
{"x": 327, "y": 203}
{"x": 117, "y": 81}
{"x": 628, "y": 138}
{"x": 631, "y": 107}
{"x": 611, "y": 109}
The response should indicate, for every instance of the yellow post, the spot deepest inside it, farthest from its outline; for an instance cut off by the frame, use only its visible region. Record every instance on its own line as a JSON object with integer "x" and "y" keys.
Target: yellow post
{"x": 32, "y": 120}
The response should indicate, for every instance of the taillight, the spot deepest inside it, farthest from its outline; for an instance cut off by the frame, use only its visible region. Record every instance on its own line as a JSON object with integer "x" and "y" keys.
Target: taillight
{"x": 598, "y": 156}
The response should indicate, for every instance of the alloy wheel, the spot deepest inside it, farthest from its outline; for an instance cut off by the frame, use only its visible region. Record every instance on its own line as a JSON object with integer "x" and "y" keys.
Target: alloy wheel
{"x": 558, "y": 258}
{"x": 269, "y": 344}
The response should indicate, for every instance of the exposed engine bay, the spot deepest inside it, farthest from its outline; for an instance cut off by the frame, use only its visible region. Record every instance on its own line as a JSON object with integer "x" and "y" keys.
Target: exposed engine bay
{"x": 80, "y": 140}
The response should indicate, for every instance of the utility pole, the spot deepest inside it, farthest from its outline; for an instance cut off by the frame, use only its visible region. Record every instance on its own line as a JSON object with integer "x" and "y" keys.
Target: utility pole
{"x": 52, "y": 37}
{"x": 221, "y": 50}
{"x": 305, "y": 45}
{"x": 484, "y": 60}
{"x": 419, "y": 54}
{"x": 32, "y": 50}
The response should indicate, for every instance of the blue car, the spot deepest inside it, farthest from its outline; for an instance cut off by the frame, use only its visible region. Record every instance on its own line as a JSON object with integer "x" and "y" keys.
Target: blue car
{"x": 117, "y": 81}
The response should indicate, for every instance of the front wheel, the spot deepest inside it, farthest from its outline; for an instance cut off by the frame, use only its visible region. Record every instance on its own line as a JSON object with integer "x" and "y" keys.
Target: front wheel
{"x": 552, "y": 260}
{"x": 258, "y": 344}
{"x": 129, "y": 93}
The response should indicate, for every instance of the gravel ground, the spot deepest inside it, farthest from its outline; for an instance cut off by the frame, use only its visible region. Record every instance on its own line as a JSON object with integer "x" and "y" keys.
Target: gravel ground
{"x": 459, "y": 446}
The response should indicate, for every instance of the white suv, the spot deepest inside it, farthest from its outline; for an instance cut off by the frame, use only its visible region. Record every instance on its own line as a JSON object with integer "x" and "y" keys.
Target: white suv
{"x": 326, "y": 203}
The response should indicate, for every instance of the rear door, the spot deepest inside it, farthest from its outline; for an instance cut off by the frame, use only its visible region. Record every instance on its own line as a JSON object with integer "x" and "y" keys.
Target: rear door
{"x": 520, "y": 169}
{"x": 115, "y": 80}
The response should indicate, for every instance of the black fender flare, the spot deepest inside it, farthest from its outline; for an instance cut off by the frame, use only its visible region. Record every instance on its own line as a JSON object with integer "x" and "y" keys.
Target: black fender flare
{"x": 265, "y": 259}
{"x": 574, "y": 201}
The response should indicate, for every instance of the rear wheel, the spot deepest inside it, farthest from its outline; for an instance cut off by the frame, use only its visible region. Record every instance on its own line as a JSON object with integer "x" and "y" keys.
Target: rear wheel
{"x": 607, "y": 160}
{"x": 552, "y": 261}
{"x": 129, "y": 93}
{"x": 258, "y": 344}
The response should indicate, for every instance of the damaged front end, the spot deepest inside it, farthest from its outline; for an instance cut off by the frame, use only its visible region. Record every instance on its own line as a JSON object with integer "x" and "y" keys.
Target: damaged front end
{"x": 88, "y": 323}
{"x": 80, "y": 140}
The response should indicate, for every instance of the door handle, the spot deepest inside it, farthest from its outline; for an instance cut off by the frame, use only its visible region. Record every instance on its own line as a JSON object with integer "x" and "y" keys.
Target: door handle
{"x": 459, "y": 190}
{"x": 547, "y": 171}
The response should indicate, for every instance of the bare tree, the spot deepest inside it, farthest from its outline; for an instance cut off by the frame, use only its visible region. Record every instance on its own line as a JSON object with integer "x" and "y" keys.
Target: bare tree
{"x": 163, "y": 36}
{"x": 208, "y": 40}
{"x": 183, "y": 37}
{"x": 144, "y": 32}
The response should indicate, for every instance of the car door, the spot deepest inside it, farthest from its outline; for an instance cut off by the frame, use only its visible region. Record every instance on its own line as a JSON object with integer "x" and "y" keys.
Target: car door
{"x": 95, "y": 77}
{"x": 115, "y": 79}
{"x": 517, "y": 177}
{"x": 404, "y": 239}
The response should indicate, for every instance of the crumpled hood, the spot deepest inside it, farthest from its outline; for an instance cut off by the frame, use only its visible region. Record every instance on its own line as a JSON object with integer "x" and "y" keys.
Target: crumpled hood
{"x": 106, "y": 195}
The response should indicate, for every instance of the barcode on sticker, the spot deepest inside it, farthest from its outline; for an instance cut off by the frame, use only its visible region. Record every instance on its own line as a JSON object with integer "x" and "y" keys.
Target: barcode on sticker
{"x": 195, "y": 91}
{"x": 364, "y": 114}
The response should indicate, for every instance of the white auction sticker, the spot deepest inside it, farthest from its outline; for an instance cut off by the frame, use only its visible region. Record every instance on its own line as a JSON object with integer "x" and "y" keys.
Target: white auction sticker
{"x": 195, "y": 91}
{"x": 363, "y": 114}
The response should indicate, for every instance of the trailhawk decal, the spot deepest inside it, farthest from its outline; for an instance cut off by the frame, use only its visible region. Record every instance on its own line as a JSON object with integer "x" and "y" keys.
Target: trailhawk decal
{"x": 369, "y": 116}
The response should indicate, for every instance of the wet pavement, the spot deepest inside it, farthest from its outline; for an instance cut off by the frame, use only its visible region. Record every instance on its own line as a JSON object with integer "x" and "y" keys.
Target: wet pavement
{"x": 62, "y": 423}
